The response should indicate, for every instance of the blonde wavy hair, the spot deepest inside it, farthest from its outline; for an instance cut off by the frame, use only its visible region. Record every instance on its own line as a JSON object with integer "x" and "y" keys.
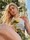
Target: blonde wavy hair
{"x": 6, "y": 13}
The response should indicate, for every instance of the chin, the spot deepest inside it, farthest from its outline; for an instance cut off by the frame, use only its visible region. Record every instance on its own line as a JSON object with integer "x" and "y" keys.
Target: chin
{"x": 14, "y": 14}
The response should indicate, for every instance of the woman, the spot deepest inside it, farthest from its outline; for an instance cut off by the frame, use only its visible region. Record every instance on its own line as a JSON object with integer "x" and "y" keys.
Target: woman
{"x": 11, "y": 11}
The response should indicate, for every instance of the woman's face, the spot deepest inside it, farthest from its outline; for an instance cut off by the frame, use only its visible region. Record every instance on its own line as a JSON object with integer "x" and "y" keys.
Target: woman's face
{"x": 13, "y": 10}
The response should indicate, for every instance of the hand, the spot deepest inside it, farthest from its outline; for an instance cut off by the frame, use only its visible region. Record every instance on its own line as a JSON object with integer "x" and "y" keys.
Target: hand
{"x": 24, "y": 18}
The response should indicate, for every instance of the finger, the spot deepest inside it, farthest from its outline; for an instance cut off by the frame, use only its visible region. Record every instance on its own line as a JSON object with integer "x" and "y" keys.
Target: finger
{"x": 22, "y": 16}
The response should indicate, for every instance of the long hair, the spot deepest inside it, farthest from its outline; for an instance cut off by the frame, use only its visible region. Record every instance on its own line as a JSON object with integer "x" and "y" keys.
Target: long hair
{"x": 6, "y": 12}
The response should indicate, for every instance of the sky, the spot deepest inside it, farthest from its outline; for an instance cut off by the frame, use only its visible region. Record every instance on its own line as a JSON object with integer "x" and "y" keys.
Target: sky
{"x": 28, "y": 7}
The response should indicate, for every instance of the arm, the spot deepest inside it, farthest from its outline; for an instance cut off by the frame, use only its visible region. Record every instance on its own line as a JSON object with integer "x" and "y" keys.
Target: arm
{"x": 27, "y": 25}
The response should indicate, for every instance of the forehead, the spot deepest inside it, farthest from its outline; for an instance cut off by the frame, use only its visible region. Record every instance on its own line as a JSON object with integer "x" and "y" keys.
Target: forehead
{"x": 13, "y": 6}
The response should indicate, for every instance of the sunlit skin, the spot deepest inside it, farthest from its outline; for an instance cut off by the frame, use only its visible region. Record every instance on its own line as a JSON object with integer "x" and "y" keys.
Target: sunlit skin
{"x": 13, "y": 10}
{"x": 8, "y": 33}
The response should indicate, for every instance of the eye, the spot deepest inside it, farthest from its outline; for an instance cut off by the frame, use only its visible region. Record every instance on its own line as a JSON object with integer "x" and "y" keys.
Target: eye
{"x": 12, "y": 7}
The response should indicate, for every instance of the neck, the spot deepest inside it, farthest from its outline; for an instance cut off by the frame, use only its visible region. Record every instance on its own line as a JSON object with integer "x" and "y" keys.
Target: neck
{"x": 16, "y": 16}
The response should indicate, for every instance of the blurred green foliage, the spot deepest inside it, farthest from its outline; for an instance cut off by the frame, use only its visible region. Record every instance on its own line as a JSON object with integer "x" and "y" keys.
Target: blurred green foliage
{"x": 21, "y": 34}
{"x": 2, "y": 5}
{"x": 0, "y": 15}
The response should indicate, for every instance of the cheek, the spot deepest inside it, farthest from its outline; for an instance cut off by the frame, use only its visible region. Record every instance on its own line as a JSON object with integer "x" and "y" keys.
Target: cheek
{"x": 16, "y": 10}
{"x": 10, "y": 11}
